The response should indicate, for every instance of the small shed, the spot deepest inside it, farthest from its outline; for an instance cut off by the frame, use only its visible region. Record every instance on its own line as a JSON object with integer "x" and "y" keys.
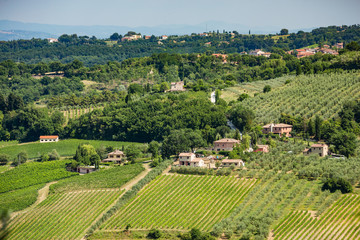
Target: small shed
{"x": 86, "y": 169}
{"x": 44, "y": 139}
{"x": 228, "y": 162}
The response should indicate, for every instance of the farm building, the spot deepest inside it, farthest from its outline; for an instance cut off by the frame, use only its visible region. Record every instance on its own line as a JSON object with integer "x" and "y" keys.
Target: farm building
{"x": 317, "y": 149}
{"x": 44, "y": 139}
{"x": 85, "y": 169}
{"x": 262, "y": 148}
{"x": 226, "y": 144}
{"x": 279, "y": 128}
{"x": 189, "y": 159}
{"x": 177, "y": 86}
{"x": 228, "y": 162}
{"x": 115, "y": 157}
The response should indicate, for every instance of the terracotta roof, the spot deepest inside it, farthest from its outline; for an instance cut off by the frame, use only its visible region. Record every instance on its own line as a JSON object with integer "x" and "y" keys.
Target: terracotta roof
{"x": 116, "y": 152}
{"x": 318, "y": 145}
{"x": 196, "y": 160}
{"x": 305, "y": 150}
{"x": 186, "y": 154}
{"x": 262, "y": 146}
{"x": 225, "y": 140}
{"x": 231, "y": 160}
{"x": 49, "y": 137}
{"x": 281, "y": 125}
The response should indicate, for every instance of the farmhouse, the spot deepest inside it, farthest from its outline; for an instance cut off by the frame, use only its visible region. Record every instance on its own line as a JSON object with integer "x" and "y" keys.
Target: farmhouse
{"x": 262, "y": 148}
{"x": 226, "y": 144}
{"x": 228, "y": 162}
{"x": 85, "y": 169}
{"x": 279, "y": 128}
{"x": 177, "y": 86}
{"x": 44, "y": 139}
{"x": 189, "y": 159}
{"x": 317, "y": 149}
{"x": 115, "y": 157}
{"x": 258, "y": 52}
{"x": 52, "y": 40}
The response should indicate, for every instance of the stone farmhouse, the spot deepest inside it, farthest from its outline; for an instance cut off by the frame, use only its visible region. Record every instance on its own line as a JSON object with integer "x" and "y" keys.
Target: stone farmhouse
{"x": 85, "y": 169}
{"x": 177, "y": 86}
{"x": 317, "y": 149}
{"x": 279, "y": 128}
{"x": 262, "y": 148}
{"x": 228, "y": 162}
{"x": 189, "y": 159}
{"x": 225, "y": 144}
{"x": 45, "y": 139}
{"x": 115, "y": 157}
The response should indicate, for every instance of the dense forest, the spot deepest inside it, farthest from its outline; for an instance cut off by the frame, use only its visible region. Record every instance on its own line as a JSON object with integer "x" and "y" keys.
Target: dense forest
{"x": 93, "y": 51}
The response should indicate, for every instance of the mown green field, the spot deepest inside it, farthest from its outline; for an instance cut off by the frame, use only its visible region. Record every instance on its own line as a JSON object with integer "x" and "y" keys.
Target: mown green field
{"x": 63, "y": 147}
{"x": 250, "y": 88}
{"x": 182, "y": 202}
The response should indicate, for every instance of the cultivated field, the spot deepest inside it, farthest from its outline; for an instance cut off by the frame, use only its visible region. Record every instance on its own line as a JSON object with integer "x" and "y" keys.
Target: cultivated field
{"x": 301, "y": 97}
{"x": 63, "y": 147}
{"x": 181, "y": 202}
{"x": 340, "y": 221}
{"x": 62, "y": 216}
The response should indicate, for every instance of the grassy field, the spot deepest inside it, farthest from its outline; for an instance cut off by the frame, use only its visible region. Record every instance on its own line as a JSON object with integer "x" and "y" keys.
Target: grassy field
{"x": 8, "y": 143}
{"x": 340, "y": 221}
{"x": 113, "y": 177}
{"x": 250, "y": 88}
{"x": 182, "y": 202}
{"x": 20, "y": 199}
{"x": 63, "y": 147}
{"x": 301, "y": 97}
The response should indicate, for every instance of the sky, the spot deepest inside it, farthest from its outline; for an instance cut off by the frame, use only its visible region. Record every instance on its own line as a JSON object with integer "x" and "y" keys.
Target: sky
{"x": 291, "y": 14}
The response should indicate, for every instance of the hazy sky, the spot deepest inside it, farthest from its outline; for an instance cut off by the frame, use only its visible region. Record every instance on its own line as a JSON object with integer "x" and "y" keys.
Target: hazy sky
{"x": 291, "y": 14}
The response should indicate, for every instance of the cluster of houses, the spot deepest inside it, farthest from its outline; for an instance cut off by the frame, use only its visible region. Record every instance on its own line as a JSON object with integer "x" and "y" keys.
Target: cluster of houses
{"x": 177, "y": 87}
{"x": 259, "y": 52}
{"x": 325, "y": 49}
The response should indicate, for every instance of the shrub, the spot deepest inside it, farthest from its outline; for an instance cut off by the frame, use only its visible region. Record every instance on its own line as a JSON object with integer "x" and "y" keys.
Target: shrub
{"x": 4, "y": 159}
{"x": 154, "y": 234}
{"x": 334, "y": 184}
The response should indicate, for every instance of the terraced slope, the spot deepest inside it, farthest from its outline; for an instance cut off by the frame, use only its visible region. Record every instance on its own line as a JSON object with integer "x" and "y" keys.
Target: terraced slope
{"x": 182, "y": 202}
{"x": 307, "y": 96}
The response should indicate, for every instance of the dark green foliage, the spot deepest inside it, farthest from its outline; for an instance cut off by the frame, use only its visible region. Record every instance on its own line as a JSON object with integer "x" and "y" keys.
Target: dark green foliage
{"x": 242, "y": 97}
{"x": 87, "y": 155}
{"x": 150, "y": 118}
{"x": 267, "y": 88}
{"x": 21, "y": 158}
{"x": 196, "y": 234}
{"x": 334, "y": 184}
{"x": 182, "y": 140}
{"x": 242, "y": 117}
{"x": 284, "y": 31}
{"x": 4, "y": 159}
{"x": 132, "y": 152}
{"x": 154, "y": 234}
{"x": 344, "y": 142}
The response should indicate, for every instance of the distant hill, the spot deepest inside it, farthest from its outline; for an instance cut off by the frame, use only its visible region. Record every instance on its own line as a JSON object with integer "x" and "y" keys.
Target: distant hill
{"x": 50, "y": 30}
{"x": 6, "y": 35}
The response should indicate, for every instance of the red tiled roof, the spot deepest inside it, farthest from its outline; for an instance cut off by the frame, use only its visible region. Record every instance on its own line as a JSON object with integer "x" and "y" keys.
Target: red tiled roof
{"x": 186, "y": 154}
{"x": 116, "y": 152}
{"x": 318, "y": 145}
{"x": 279, "y": 125}
{"x": 196, "y": 160}
{"x": 49, "y": 137}
{"x": 231, "y": 161}
{"x": 224, "y": 140}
